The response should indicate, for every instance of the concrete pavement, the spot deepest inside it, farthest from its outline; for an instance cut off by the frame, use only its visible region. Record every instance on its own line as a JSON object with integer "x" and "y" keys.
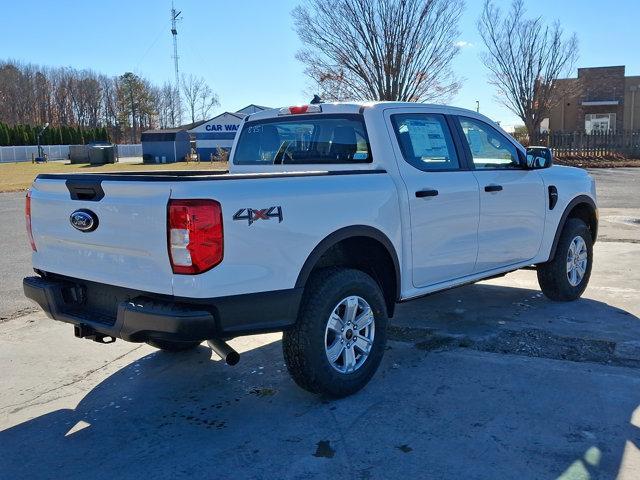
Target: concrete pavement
{"x": 129, "y": 412}
{"x": 15, "y": 260}
{"x": 488, "y": 381}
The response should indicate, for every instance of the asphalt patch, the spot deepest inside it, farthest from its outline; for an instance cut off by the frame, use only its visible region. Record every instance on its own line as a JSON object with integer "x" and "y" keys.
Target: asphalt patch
{"x": 526, "y": 342}
{"x": 324, "y": 450}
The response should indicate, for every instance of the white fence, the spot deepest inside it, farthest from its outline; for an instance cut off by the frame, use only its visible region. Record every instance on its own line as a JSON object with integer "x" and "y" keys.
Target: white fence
{"x": 57, "y": 152}
{"x": 130, "y": 150}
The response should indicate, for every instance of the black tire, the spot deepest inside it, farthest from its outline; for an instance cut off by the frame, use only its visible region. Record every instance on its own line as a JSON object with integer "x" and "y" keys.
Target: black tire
{"x": 304, "y": 345}
{"x": 552, "y": 276}
{"x": 173, "y": 346}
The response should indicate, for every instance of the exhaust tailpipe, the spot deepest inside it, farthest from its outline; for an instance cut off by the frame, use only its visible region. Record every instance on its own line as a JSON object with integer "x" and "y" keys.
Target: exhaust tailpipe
{"x": 224, "y": 351}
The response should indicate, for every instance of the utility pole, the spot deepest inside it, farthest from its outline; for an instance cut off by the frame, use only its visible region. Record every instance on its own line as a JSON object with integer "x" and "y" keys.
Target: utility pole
{"x": 175, "y": 16}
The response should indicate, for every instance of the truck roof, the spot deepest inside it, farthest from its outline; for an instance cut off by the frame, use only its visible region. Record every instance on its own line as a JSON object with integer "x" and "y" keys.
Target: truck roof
{"x": 357, "y": 107}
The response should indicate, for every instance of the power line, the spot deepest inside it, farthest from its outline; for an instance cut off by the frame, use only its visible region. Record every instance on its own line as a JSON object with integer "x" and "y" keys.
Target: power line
{"x": 155, "y": 40}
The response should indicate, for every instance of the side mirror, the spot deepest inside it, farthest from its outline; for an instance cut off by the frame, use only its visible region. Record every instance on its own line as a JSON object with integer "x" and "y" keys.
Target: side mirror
{"x": 539, "y": 157}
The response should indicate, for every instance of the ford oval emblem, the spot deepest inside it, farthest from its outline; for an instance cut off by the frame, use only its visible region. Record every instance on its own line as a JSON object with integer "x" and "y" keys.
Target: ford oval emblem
{"x": 84, "y": 220}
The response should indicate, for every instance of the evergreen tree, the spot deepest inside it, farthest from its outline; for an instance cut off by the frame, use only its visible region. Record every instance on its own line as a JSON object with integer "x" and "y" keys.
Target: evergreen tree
{"x": 79, "y": 136}
{"x": 59, "y": 139}
{"x": 72, "y": 135}
{"x": 4, "y": 135}
{"x": 26, "y": 138}
{"x": 16, "y": 135}
{"x": 33, "y": 131}
{"x": 65, "y": 135}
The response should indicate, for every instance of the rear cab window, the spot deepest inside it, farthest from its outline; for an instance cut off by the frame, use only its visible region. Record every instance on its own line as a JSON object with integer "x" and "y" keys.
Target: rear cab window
{"x": 304, "y": 139}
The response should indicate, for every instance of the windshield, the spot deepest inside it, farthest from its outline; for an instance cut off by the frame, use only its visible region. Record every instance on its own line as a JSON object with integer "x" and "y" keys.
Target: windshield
{"x": 303, "y": 140}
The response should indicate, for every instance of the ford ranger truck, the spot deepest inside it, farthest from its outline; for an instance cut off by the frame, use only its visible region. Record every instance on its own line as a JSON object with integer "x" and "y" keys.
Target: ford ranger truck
{"x": 330, "y": 214}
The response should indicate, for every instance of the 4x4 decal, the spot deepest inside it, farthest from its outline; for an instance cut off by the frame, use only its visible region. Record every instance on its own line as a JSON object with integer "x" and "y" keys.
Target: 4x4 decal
{"x": 252, "y": 214}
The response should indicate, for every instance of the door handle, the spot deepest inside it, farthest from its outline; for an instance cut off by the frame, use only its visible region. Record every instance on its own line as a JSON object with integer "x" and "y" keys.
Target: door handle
{"x": 426, "y": 193}
{"x": 493, "y": 188}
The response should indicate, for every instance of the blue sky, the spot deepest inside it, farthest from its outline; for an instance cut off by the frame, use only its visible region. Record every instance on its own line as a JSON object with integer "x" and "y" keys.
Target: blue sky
{"x": 245, "y": 49}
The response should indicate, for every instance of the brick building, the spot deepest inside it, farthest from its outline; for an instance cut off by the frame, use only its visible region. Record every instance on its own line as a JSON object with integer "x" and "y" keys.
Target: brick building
{"x": 600, "y": 99}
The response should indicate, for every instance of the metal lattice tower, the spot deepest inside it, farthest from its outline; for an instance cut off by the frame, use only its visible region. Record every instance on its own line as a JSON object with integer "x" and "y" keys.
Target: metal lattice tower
{"x": 175, "y": 16}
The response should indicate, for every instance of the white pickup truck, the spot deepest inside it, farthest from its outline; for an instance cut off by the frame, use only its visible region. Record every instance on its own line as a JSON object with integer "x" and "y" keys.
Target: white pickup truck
{"x": 330, "y": 215}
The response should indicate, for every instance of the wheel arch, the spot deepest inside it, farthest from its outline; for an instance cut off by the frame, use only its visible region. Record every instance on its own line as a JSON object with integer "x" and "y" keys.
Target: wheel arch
{"x": 582, "y": 207}
{"x": 363, "y": 247}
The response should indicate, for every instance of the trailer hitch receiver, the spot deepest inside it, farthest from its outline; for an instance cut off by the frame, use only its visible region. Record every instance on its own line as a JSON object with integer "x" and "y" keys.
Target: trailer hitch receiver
{"x": 85, "y": 331}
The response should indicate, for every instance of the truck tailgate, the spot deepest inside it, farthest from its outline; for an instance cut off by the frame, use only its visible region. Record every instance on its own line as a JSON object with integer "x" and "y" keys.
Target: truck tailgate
{"x": 129, "y": 246}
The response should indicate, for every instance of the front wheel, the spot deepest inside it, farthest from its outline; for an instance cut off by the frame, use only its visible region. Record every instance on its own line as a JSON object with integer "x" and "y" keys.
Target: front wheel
{"x": 338, "y": 341}
{"x": 566, "y": 276}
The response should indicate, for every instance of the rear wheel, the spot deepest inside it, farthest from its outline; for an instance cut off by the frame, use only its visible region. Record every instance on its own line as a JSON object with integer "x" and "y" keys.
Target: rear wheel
{"x": 566, "y": 276}
{"x": 173, "y": 346}
{"x": 338, "y": 341}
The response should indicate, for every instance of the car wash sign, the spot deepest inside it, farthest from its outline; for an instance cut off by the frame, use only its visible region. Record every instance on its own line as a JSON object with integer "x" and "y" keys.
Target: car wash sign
{"x": 218, "y": 127}
{"x": 222, "y": 127}
{"x": 217, "y": 132}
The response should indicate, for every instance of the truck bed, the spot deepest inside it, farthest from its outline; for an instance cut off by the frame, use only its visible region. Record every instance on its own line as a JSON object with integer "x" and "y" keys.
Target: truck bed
{"x": 129, "y": 248}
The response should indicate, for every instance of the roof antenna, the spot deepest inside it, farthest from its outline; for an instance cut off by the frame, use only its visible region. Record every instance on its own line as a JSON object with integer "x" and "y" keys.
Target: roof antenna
{"x": 316, "y": 100}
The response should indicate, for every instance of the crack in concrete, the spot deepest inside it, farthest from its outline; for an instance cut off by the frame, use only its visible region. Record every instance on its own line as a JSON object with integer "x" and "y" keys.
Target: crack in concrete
{"x": 19, "y": 313}
{"x": 32, "y": 402}
{"x": 618, "y": 240}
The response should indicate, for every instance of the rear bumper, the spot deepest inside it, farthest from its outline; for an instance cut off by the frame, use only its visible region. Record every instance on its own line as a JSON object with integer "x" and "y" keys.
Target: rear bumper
{"x": 141, "y": 316}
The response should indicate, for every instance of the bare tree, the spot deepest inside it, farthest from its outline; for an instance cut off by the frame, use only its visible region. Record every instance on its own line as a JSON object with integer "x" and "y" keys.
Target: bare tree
{"x": 110, "y": 90}
{"x": 208, "y": 100}
{"x": 526, "y": 58}
{"x": 86, "y": 97}
{"x": 191, "y": 87}
{"x": 380, "y": 49}
{"x": 170, "y": 106}
{"x": 199, "y": 97}
{"x": 123, "y": 106}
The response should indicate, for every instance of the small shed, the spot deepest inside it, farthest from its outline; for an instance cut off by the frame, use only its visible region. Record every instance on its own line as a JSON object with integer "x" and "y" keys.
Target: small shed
{"x": 101, "y": 154}
{"x": 165, "y": 146}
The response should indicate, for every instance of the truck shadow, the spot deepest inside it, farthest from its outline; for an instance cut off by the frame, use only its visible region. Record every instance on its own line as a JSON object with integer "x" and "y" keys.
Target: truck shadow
{"x": 451, "y": 414}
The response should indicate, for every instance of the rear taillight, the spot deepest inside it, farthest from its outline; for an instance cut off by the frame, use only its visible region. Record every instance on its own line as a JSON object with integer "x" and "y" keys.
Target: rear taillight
{"x": 195, "y": 237}
{"x": 27, "y": 217}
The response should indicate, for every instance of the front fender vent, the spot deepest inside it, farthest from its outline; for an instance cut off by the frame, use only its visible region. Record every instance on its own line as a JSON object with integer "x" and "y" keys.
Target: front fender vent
{"x": 553, "y": 196}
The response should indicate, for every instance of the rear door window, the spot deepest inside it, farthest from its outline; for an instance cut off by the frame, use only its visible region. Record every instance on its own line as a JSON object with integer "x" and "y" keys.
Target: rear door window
{"x": 308, "y": 139}
{"x": 425, "y": 141}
